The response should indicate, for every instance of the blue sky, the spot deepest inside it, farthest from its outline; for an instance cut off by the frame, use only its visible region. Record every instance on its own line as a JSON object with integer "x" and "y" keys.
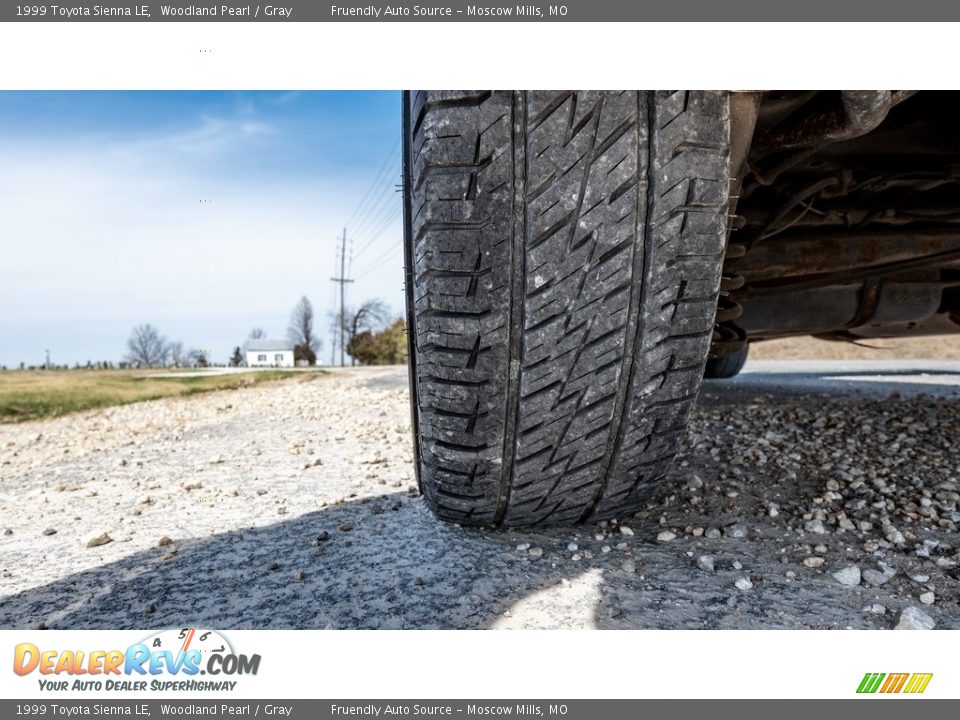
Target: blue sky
{"x": 204, "y": 213}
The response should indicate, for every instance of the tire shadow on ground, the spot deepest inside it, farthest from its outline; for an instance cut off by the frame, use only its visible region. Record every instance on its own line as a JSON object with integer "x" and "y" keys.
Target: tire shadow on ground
{"x": 350, "y": 566}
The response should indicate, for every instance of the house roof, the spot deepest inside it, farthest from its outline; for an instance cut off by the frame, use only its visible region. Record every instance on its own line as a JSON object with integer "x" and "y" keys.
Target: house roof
{"x": 264, "y": 344}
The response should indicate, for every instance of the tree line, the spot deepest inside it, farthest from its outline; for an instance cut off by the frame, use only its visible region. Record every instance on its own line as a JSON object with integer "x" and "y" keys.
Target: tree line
{"x": 370, "y": 333}
{"x": 146, "y": 347}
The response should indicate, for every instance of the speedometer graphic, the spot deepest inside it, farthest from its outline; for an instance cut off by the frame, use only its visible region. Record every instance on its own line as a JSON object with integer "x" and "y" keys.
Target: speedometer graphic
{"x": 181, "y": 640}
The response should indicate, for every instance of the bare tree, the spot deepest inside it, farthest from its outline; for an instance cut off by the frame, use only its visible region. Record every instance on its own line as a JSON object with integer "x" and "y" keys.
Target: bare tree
{"x": 257, "y": 333}
{"x": 369, "y": 317}
{"x": 146, "y": 347}
{"x": 198, "y": 358}
{"x": 300, "y": 331}
{"x": 175, "y": 354}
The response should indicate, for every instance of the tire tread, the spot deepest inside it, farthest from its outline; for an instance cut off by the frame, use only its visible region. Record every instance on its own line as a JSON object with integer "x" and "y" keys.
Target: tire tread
{"x": 567, "y": 250}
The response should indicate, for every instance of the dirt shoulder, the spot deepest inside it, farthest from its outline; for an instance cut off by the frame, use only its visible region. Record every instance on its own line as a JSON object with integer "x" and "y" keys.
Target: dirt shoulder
{"x": 940, "y": 347}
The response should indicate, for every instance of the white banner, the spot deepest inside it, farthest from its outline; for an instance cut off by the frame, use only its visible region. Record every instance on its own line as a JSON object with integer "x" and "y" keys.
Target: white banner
{"x": 309, "y": 664}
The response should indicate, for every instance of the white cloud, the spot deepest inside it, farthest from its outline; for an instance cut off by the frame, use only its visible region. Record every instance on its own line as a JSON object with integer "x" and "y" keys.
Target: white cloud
{"x": 115, "y": 233}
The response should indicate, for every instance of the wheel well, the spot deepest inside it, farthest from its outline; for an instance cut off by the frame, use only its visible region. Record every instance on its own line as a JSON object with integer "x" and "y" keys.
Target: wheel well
{"x": 847, "y": 219}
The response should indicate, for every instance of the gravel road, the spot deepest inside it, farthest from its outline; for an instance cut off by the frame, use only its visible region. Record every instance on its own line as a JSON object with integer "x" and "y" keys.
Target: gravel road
{"x": 797, "y": 503}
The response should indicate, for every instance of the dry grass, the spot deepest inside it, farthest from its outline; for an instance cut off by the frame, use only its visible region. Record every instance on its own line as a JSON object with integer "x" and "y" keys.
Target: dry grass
{"x": 941, "y": 347}
{"x": 32, "y": 394}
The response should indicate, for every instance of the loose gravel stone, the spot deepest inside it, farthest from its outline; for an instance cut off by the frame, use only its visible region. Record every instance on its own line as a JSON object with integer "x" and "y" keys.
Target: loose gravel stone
{"x": 815, "y": 526}
{"x": 665, "y": 536}
{"x": 705, "y": 562}
{"x": 913, "y": 618}
{"x": 99, "y": 540}
{"x": 813, "y": 562}
{"x": 879, "y": 577}
{"x": 848, "y": 576}
{"x": 895, "y": 536}
{"x": 927, "y": 598}
{"x": 743, "y": 584}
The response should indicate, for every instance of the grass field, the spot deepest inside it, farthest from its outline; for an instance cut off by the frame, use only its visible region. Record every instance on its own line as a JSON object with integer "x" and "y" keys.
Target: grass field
{"x": 29, "y": 395}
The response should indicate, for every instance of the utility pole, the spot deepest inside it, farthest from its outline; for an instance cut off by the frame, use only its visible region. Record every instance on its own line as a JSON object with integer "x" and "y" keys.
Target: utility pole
{"x": 333, "y": 345}
{"x": 343, "y": 280}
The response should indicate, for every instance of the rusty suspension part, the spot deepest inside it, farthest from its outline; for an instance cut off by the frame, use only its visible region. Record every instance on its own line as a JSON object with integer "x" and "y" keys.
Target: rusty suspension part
{"x": 819, "y": 124}
{"x": 728, "y": 337}
{"x": 857, "y": 274}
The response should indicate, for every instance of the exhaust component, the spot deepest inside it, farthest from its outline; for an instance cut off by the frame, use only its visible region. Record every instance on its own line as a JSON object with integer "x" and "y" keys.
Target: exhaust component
{"x": 828, "y": 253}
{"x": 853, "y": 307}
{"x": 821, "y": 122}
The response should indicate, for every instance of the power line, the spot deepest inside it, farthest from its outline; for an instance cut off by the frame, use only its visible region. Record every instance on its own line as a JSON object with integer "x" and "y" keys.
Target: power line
{"x": 379, "y": 206}
{"x": 388, "y": 255}
{"x": 391, "y": 215}
{"x": 376, "y": 180}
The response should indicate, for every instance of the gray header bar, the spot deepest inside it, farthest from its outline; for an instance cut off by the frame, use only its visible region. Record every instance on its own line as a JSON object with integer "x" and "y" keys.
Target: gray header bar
{"x": 853, "y": 709}
{"x": 465, "y": 11}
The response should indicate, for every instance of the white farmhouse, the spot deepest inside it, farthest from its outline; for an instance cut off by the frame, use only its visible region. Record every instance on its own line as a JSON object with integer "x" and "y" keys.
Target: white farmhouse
{"x": 269, "y": 353}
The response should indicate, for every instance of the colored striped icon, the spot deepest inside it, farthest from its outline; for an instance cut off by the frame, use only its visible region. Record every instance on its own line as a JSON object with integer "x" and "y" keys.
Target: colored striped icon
{"x": 913, "y": 683}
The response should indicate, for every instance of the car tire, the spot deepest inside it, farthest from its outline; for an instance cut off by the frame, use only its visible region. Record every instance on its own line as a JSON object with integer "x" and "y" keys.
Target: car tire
{"x": 563, "y": 258}
{"x": 726, "y": 366}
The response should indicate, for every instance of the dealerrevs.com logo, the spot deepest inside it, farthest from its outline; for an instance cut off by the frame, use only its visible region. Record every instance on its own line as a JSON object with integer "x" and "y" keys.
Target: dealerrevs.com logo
{"x": 170, "y": 660}
{"x": 890, "y": 683}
